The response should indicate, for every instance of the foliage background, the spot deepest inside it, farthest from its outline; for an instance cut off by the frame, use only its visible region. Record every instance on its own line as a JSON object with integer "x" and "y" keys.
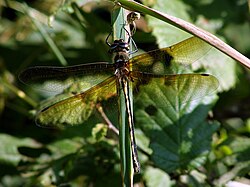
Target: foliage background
{"x": 84, "y": 155}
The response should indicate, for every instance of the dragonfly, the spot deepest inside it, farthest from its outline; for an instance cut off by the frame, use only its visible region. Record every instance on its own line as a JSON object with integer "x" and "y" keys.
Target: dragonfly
{"x": 146, "y": 70}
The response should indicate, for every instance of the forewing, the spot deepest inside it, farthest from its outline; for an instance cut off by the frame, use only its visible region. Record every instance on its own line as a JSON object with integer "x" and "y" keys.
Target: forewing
{"x": 76, "y": 109}
{"x": 57, "y": 79}
{"x": 167, "y": 60}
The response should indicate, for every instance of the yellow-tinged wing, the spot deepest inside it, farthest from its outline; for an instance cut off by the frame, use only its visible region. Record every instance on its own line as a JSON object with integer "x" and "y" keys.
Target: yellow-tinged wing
{"x": 76, "y": 109}
{"x": 172, "y": 90}
{"x": 165, "y": 60}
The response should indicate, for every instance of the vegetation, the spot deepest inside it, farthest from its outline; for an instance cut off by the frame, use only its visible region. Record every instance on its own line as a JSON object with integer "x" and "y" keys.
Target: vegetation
{"x": 207, "y": 143}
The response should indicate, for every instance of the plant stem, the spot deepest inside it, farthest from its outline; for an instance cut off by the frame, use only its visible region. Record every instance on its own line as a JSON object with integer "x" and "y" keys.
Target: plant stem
{"x": 119, "y": 17}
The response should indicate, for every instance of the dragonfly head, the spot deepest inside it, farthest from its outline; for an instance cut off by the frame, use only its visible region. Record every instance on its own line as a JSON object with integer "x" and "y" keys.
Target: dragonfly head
{"x": 119, "y": 46}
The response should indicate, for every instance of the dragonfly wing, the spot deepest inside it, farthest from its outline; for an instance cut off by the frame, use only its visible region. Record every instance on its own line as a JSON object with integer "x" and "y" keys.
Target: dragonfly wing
{"x": 166, "y": 60}
{"x": 173, "y": 90}
{"x": 57, "y": 79}
{"x": 76, "y": 109}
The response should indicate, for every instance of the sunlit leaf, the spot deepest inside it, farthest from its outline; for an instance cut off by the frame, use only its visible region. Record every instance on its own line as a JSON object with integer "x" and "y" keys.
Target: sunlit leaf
{"x": 167, "y": 34}
{"x": 9, "y": 153}
{"x": 65, "y": 146}
{"x": 179, "y": 134}
{"x": 99, "y": 131}
{"x": 156, "y": 177}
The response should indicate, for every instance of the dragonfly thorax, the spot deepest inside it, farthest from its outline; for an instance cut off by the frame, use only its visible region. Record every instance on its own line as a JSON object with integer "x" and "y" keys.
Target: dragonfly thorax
{"x": 120, "y": 60}
{"x": 121, "y": 64}
{"x": 119, "y": 46}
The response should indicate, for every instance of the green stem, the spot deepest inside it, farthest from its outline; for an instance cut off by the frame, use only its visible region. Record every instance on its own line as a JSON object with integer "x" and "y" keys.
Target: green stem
{"x": 118, "y": 21}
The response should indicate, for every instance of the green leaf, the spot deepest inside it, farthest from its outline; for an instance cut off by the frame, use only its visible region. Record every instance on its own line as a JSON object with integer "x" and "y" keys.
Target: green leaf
{"x": 65, "y": 146}
{"x": 156, "y": 177}
{"x": 237, "y": 34}
{"x": 239, "y": 148}
{"x": 142, "y": 141}
{"x": 179, "y": 135}
{"x": 167, "y": 34}
{"x": 99, "y": 131}
{"x": 9, "y": 153}
{"x": 95, "y": 159}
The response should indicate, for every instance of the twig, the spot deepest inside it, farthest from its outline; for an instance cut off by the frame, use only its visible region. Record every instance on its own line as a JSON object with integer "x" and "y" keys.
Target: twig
{"x": 106, "y": 119}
